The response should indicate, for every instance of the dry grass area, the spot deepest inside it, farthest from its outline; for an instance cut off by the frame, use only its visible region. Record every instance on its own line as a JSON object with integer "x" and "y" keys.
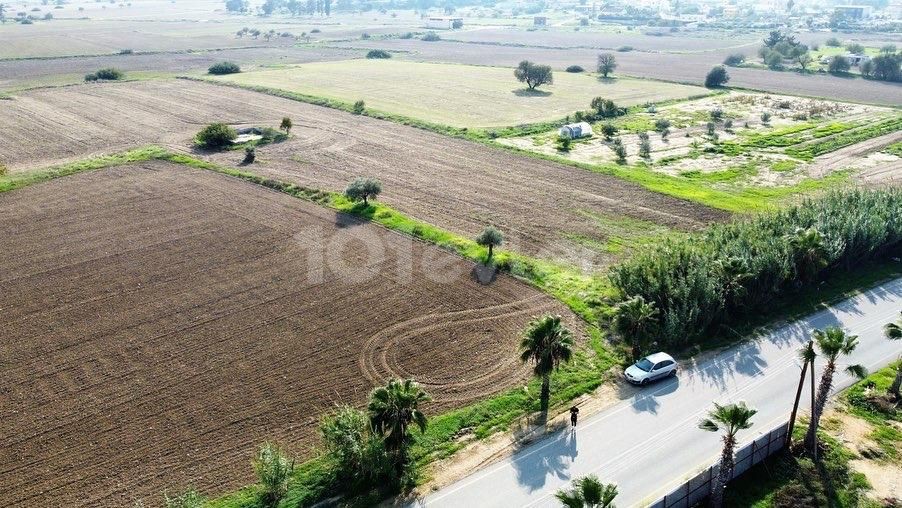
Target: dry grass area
{"x": 159, "y": 322}
{"x": 17, "y": 75}
{"x": 457, "y": 95}
{"x": 686, "y": 67}
{"x": 545, "y": 209}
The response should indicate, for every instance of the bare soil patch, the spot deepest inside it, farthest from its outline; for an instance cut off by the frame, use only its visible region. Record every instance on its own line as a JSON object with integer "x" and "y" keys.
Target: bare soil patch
{"x": 454, "y": 184}
{"x": 158, "y": 322}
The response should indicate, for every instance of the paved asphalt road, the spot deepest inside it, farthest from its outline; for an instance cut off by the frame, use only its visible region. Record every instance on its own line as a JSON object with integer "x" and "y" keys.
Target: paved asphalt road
{"x": 649, "y": 442}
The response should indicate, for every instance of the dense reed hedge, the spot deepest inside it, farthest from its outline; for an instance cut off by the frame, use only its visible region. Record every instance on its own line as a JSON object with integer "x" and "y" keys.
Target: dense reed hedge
{"x": 715, "y": 278}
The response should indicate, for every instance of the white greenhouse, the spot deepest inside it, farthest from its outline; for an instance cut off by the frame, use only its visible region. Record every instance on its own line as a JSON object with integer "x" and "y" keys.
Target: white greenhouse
{"x": 575, "y": 130}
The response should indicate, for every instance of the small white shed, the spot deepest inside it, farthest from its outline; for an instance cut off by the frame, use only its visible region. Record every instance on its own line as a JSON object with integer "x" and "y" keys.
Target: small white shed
{"x": 575, "y": 130}
{"x": 444, "y": 22}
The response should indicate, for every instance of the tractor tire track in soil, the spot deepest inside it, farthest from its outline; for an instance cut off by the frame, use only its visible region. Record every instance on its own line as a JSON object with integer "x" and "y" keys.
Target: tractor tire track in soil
{"x": 158, "y": 322}
{"x": 457, "y": 185}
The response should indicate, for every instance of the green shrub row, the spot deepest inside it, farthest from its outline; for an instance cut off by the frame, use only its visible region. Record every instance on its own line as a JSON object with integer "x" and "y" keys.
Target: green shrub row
{"x": 843, "y": 140}
{"x": 705, "y": 282}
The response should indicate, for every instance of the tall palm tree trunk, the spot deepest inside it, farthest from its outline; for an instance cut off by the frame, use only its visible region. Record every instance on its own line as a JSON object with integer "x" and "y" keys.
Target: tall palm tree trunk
{"x": 823, "y": 392}
{"x": 726, "y": 471}
{"x": 795, "y": 405}
{"x": 897, "y": 383}
{"x": 546, "y": 393}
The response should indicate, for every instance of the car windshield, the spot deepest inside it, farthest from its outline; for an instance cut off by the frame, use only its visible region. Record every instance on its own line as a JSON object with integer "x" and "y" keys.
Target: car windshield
{"x": 644, "y": 364}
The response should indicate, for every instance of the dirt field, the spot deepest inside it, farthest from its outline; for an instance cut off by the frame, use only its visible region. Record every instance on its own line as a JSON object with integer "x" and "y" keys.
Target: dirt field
{"x": 23, "y": 74}
{"x": 159, "y": 322}
{"x": 687, "y": 67}
{"x": 458, "y": 95}
{"x": 545, "y": 209}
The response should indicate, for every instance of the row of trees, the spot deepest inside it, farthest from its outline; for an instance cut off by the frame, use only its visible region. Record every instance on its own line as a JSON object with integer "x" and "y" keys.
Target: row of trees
{"x": 696, "y": 287}
{"x": 293, "y": 7}
{"x": 535, "y": 75}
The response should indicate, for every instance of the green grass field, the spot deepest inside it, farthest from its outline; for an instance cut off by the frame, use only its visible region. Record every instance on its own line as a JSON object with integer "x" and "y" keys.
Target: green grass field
{"x": 457, "y": 95}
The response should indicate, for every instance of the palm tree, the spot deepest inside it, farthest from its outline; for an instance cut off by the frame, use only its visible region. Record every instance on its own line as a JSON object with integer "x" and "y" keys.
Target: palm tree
{"x": 633, "y": 318}
{"x": 730, "y": 418}
{"x": 588, "y": 492}
{"x": 547, "y": 343}
{"x": 734, "y": 272}
{"x": 894, "y": 332}
{"x": 807, "y": 355}
{"x": 392, "y": 409}
{"x": 810, "y": 252}
{"x": 832, "y": 342}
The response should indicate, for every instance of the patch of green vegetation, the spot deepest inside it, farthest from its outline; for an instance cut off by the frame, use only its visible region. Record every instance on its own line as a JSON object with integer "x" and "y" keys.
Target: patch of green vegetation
{"x": 784, "y": 166}
{"x": 623, "y": 234}
{"x": 832, "y": 128}
{"x": 894, "y": 149}
{"x": 729, "y": 175}
{"x": 787, "y": 480}
{"x": 742, "y": 199}
{"x": 635, "y": 122}
{"x": 868, "y": 400}
{"x": 775, "y": 138}
{"x": 15, "y": 180}
{"x": 842, "y": 140}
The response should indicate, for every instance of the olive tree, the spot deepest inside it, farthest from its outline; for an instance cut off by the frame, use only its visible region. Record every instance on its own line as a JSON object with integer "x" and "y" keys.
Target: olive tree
{"x": 363, "y": 189}
{"x": 490, "y": 238}
{"x": 533, "y": 75}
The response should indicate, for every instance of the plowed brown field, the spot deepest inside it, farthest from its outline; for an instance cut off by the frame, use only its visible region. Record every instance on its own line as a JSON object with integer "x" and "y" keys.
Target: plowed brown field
{"x": 545, "y": 209}
{"x": 158, "y": 322}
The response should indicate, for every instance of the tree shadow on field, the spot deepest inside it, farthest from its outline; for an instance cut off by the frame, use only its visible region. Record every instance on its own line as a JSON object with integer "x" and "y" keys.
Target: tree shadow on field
{"x": 346, "y": 220}
{"x": 526, "y": 92}
{"x": 607, "y": 80}
{"x": 484, "y": 274}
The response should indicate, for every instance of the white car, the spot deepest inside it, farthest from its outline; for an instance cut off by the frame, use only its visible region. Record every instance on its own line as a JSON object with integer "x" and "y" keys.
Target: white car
{"x": 650, "y": 368}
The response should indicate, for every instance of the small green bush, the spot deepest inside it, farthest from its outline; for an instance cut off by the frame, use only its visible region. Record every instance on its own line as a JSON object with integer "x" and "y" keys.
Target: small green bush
{"x": 575, "y": 69}
{"x": 734, "y": 60}
{"x": 273, "y": 469}
{"x": 189, "y": 499}
{"x": 431, "y": 37}
{"x": 215, "y": 135}
{"x": 359, "y": 107}
{"x": 563, "y": 143}
{"x": 220, "y": 68}
{"x": 378, "y": 53}
{"x": 109, "y": 74}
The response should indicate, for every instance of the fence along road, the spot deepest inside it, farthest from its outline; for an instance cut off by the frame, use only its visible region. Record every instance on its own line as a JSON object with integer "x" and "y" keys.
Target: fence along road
{"x": 649, "y": 444}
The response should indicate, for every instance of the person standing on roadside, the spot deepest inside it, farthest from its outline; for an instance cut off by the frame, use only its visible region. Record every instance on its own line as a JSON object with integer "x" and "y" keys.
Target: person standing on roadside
{"x": 574, "y": 414}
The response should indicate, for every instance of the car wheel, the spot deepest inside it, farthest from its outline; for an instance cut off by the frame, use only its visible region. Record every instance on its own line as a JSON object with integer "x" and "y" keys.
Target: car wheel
{"x": 673, "y": 373}
{"x": 643, "y": 382}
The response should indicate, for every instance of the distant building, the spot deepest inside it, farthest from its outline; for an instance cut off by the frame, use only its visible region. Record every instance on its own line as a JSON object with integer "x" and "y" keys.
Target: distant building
{"x": 575, "y": 130}
{"x": 853, "y": 11}
{"x": 856, "y": 60}
{"x": 539, "y": 21}
{"x": 444, "y": 22}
